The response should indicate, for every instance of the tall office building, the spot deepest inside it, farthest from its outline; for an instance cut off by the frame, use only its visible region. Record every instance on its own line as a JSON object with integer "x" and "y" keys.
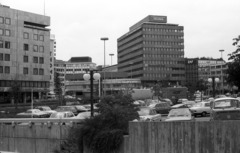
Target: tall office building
{"x": 24, "y": 53}
{"x": 153, "y": 50}
{"x": 52, "y": 59}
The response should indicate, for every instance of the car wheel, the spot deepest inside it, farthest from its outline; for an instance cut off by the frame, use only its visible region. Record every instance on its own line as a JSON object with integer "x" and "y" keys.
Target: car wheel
{"x": 204, "y": 114}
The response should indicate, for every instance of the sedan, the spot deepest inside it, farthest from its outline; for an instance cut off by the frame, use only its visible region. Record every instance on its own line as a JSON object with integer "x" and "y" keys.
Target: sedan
{"x": 149, "y": 114}
{"x": 63, "y": 114}
{"x": 73, "y": 109}
{"x": 33, "y": 113}
{"x": 201, "y": 108}
{"x": 180, "y": 114}
{"x": 45, "y": 109}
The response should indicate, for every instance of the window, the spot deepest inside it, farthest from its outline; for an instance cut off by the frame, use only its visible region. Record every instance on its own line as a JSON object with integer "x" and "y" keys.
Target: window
{"x": 7, "y": 57}
{"x": 1, "y": 69}
{"x": 41, "y": 49}
{"x": 41, "y": 37}
{"x": 35, "y": 36}
{"x": 7, "y": 44}
{"x": 41, "y": 60}
{"x": 1, "y": 44}
{"x": 41, "y": 71}
{"x": 35, "y": 48}
{"x": 25, "y": 35}
{"x": 1, "y": 32}
{"x": 7, "y": 32}
{"x": 25, "y": 47}
{"x": 8, "y": 21}
{"x": 1, "y": 56}
{"x": 1, "y": 20}
{"x": 25, "y": 70}
{"x": 35, "y": 71}
{"x": 25, "y": 59}
{"x": 35, "y": 59}
{"x": 7, "y": 69}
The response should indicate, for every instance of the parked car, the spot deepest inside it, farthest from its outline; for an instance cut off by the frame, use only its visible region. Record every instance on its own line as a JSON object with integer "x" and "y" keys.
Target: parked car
{"x": 168, "y": 100}
{"x": 33, "y": 113}
{"x": 149, "y": 114}
{"x": 63, "y": 114}
{"x": 182, "y": 100}
{"x": 73, "y": 109}
{"x": 180, "y": 114}
{"x": 161, "y": 108}
{"x": 201, "y": 108}
{"x": 45, "y": 109}
{"x": 179, "y": 106}
{"x": 81, "y": 108}
{"x": 189, "y": 103}
{"x": 226, "y": 108}
{"x": 84, "y": 115}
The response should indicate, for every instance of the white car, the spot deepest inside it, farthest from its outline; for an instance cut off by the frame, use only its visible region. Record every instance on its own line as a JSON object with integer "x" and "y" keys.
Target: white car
{"x": 201, "y": 108}
{"x": 63, "y": 114}
{"x": 33, "y": 113}
{"x": 149, "y": 114}
{"x": 180, "y": 114}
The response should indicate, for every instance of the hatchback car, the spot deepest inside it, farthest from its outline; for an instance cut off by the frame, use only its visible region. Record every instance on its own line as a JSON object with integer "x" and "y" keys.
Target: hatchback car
{"x": 180, "y": 114}
{"x": 201, "y": 108}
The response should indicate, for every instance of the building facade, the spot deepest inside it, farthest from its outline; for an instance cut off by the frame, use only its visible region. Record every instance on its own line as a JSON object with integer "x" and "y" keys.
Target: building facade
{"x": 153, "y": 50}
{"x": 24, "y": 53}
{"x": 52, "y": 59}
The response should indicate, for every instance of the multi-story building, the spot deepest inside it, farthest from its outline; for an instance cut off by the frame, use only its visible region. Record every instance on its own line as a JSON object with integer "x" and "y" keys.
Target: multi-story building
{"x": 24, "y": 53}
{"x": 153, "y": 50}
{"x": 52, "y": 59}
{"x": 199, "y": 70}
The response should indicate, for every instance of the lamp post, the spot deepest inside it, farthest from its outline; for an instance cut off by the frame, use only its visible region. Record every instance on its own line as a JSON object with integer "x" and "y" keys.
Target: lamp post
{"x": 221, "y": 52}
{"x": 213, "y": 80}
{"x": 111, "y": 57}
{"x": 92, "y": 76}
{"x": 104, "y": 39}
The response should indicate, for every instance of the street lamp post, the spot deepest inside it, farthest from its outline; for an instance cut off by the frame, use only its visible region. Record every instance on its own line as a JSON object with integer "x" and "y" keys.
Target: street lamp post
{"x": 92, "y": 76}
{"x": 104, "y": 39}
{"x": 111, "y": 57}
{"x": 213, "y": 80}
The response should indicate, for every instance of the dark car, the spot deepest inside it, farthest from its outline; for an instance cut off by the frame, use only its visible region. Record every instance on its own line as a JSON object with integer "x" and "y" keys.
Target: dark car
{"x": 161, "y": 108}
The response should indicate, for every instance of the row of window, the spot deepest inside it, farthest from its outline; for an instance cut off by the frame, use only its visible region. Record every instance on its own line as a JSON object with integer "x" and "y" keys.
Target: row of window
{"x": 162, "y": 30}
{"x": 4, "y": 57}
{"x": 161, "y": 62}
{"x": 5, "y": 32}
{"x": 36, "y": 59}
{"x": 163, "y": 43}
{"x": 36, "y": 71}
{"x": 40, "y": 84}
{"x": 35, "y": 36}
{"x": 163, "y": 56}
{"x": 163, "y": 36}
{"x": 162, "y": 49}
{"x": 5, "y": 69}
{"x": 36, "y": 48}
{"x": 5, "y": 44}
{"x": 5, "y": 20}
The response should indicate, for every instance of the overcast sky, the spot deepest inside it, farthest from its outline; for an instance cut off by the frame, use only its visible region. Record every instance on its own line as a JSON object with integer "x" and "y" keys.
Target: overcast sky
{"x": 78, "y": 25}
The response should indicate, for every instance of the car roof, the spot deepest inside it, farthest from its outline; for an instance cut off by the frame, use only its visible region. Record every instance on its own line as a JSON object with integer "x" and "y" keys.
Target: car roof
{"x": 225, "y": 98}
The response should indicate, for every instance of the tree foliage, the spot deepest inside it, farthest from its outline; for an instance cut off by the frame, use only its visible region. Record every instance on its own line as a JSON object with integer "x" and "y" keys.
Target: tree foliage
{"x": 234, "y": 66}
{"x": 104, "y": 133}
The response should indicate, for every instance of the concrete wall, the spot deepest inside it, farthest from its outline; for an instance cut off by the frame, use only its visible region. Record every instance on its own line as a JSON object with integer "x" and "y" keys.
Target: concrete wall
{"x": 35, "y": 139}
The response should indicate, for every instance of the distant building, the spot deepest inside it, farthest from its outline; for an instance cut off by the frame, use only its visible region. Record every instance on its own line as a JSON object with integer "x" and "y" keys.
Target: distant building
{"x": 52, "y": 59}
{"x": 153, "y": 51}
{"x": 24, "y": 54}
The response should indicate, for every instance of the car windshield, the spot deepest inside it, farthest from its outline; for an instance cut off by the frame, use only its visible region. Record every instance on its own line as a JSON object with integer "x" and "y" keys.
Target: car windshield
{"x": 197, "y": 105}
{"x": 179, "y": 113}
{"x": 225, "y": 104}
{"x": 146, "y": 111}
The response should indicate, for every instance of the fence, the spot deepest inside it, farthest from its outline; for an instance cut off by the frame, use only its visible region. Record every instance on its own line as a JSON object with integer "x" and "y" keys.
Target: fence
{"x": 144, "y": 137}
{"x": 184, "y": 137}
{"x": 34, "y": 135}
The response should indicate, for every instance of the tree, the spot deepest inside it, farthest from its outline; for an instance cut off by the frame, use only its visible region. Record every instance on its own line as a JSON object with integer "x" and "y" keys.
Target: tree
{"x": 15, "y": 92}
{"x": 157, "y": 90}
{"x": 104, "y": 132}
{"x": 57, "y": 87}
{"x": 234, "y": 66}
